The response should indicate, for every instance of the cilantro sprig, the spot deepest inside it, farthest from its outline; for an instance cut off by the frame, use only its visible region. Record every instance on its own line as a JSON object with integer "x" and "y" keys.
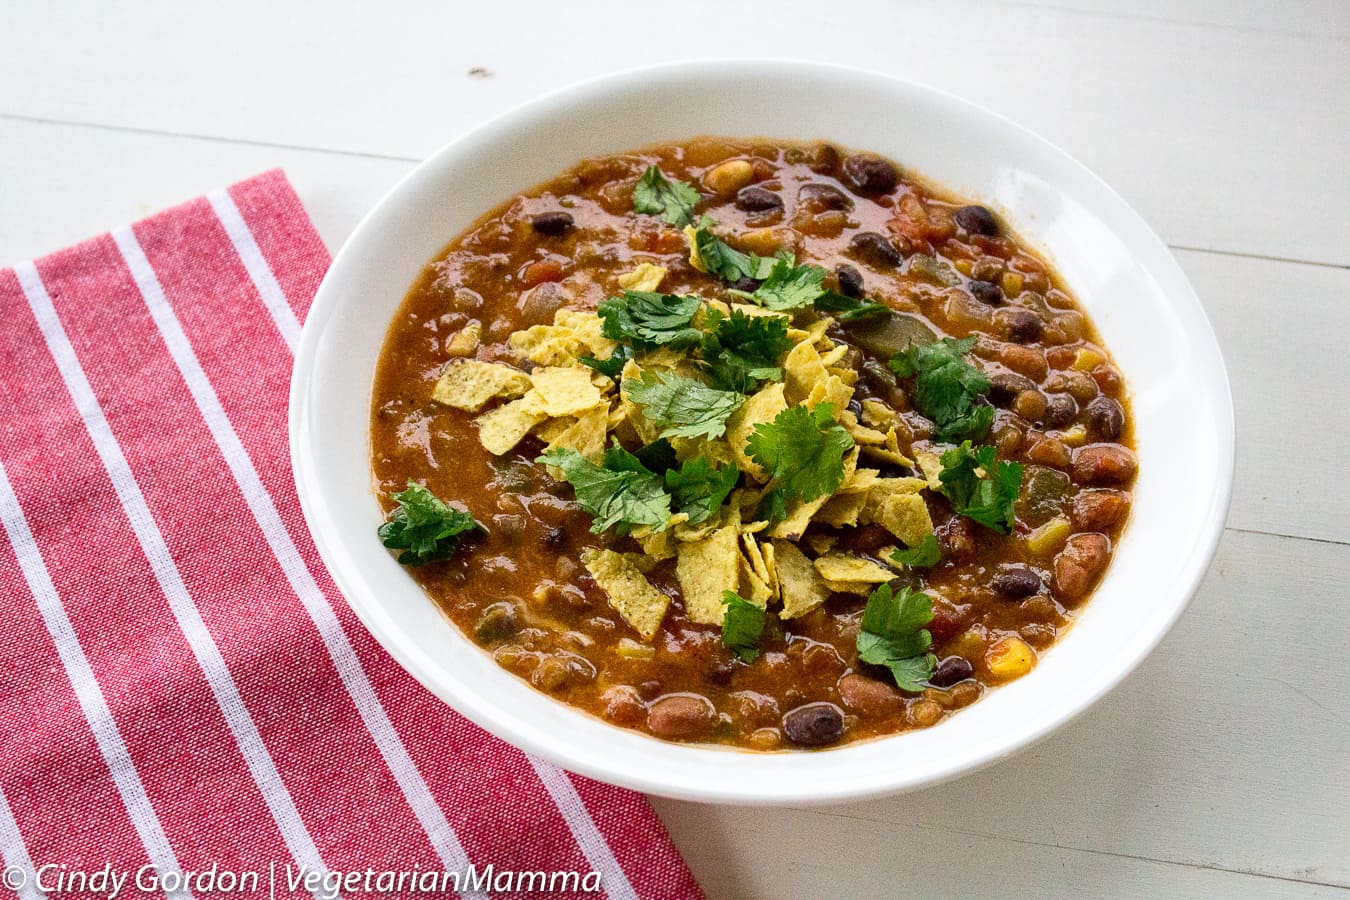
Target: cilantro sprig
{"x": 742, "y": 626}
{"x": 613, "y": 365}
{"x": 947, "y": 388}
{"x": 698, "y": 488}
{"x": 725, "y": 261}
{"x": 654, "y": 194}
{"x": 742, "y": 352}
{"x": 619, "y": 491}
{"x": 789, "y": 286}
{"x": 647, "y": 319}
{"x": 682, "y": 406}
{"x": 424, "y": 527}
{"x": 892, "y": 634}
{"x": 986, "y": 498}
{"x": 803, "y": 450}
{"x": 850, "y": 309}
{"x": 924, "y": 555}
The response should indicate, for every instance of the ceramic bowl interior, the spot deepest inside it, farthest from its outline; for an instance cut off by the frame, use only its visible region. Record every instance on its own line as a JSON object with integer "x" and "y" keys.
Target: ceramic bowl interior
{"x": 1117, "y": 267}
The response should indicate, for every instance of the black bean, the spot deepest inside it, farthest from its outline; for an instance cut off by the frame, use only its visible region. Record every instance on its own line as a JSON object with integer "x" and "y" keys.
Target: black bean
{"x": 814, "y": 725}
{"x": 850, "y": 280}
{"x": 1004, "y": 386}
{"x": 1015, "y": 583}
{"x": 745, "y": 283}
{"x": 987, "y": 292}
{"x": 1060, "y": 410}
{"x": 1106, "y": 418}
{"x": 874, "y": 249}
{"x": 977, "y": 220}
{"x": 869, "y": 175}
{"x": 895, "y": 470}
{"x": 555, "y": 538}
{"x": 552, "y": 223}
{"x": 855, "y": 407}
{"x": 822, "y": 197}
{"x": 753, "y": 198}
{"x": 951, "y": 670}
{"x": 1023, "y": 325}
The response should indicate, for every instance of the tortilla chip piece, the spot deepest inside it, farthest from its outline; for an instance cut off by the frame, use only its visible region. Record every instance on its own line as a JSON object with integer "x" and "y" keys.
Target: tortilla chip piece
{"x": 878, "y": 415}
{"x": 931, "y": 466}
{"x": 763, "y": 406}
{"x": 550, "y": 430}
{"x": 841, "y": 567}
{"x": 832, "y": 390}
{"x": 861, "y": 433}
{"x": 758, "y": 585}
{"x": 903, "y": 515}
{"x": 800, "y": 584}
{"x": 586, "y": 434}
{"x": 802, "y": 370}
{"x": 850, "y": 587}
{"x": 499, "y": 430}
{"x": 889, "y": 451}
{"x": 630, "y": 593}
{"x": 705, "y": 569}
{"x": 842, "y": 510}
{"x": 860, "y": 481}
{"x": 470, "y": 384}
{"x": 646, "y": 277}
{"x": 832, "y": 356}
{"x": 565, "y": 391}
{"x": 750, "y": 309}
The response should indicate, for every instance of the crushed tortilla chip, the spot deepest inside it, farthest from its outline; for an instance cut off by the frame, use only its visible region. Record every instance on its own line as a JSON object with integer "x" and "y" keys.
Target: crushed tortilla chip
{"x": 586, "y": 434}
{"x": 763, "y": 406}
{"x": 833, "y": 356}
{"x": 799, "y": 514}
{"x": 850, "y": 587}
{"x": 861, "y": 433}
{"x": 890, "y": 451}
{"x": 470, "y": 384}
{"x": 876, "y": 414}
{"x": 903, "y": 515}
{"x": 550, "y": 430}
{"x": 630, "y": 593}
{"x": 841, "y": 567}
{"x": 758, "y": 583}
{"x": 705, "y": 568}
{"x": 842, "y": 510}
{"x": 573, "y": 333}
{"x": 833, "y": 390}
{"x": 565, "y": 391}
{"x": 931, "y": 466}
{"x": 465, "y": 341}
{"x": 499, "y": 430}
{"x": 646, "y": 277}
{"x": 750, "y": 309}
{"x": 695, "y": 259}
{"x": 803, "y": 371}
{"x": 800, "y": 585}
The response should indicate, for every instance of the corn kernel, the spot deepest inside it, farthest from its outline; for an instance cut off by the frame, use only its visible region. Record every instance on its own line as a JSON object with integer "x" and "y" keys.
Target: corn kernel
{"x": 1009, "y": 658}
{"x": 1012, "y": 283}
{"x": 465, "y": 342}
{"x": 1075, "y": 436}
{"x": 1086, "y": 359}
{"x": 1049, "y": 537}
{"x": 729, "y": 177}
{"x": 964, "y": 266}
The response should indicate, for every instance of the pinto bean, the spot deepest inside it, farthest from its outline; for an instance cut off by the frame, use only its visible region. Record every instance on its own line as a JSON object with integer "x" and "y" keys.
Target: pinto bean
{"x": 756, "y": 199}
{"x": 816, "y": 198}
{"x": 1004, "y": 386}
{"x": 867, "y": 696}
{"x": 1080, "y": 563}
{"x": 1104, "y": 464}
{"x": 1099, "y": 510}
{"x": 681, "y": 717}
{"x": 875, "y": 250}
{"x": 1021, "y": 325}
{"x": 1106, "y": 418}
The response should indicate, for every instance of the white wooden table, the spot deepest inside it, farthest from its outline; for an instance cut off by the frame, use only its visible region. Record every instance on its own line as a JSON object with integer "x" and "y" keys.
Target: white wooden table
{"x": 1221, "y": 768}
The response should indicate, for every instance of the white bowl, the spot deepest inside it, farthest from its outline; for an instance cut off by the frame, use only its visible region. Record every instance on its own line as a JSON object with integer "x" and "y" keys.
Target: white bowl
{"x": 1118, "y": 268}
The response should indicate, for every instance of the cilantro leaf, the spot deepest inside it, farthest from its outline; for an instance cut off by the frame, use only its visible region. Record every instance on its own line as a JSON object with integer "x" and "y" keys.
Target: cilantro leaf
{"x": 789, "y": 286}
{"x": 741, "y": 352}
{"x": 699, "y": 488}
{"x": 726, "y": 262}
{"x": 654, "y": 194}
{"x": 851, "y": 309}
{"x": 989, "y": 499}
{"x": 742, "y": 626}
{"x": 946, "y": 387}
{"x": 803, "y": 449}
{"x": 892, "y": 634}
{"x": 648, "y": 319}
{"x": 424, "y": 527}
{"x": 681, "y": 406}
{"x": 925, "y": 555}
{"x": 612, "y": 366}
{"x": 621, "y": 491}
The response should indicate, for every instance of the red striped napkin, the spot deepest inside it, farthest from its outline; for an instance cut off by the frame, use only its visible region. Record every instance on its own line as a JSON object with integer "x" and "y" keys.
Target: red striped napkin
{"x": 181, "y": 684}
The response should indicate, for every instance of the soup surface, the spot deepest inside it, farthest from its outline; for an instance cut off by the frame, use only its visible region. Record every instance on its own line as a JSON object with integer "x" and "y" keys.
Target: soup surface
{"x": 764, "y": 444}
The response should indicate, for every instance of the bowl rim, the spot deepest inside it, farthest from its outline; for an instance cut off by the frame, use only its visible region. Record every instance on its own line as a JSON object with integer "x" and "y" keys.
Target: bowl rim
{"x": 325, "y": 306}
